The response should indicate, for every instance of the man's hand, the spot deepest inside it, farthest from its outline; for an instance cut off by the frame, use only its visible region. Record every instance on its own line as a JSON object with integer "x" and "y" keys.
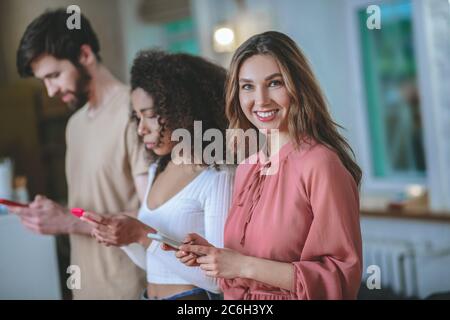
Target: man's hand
{"x": 44, "y": 216}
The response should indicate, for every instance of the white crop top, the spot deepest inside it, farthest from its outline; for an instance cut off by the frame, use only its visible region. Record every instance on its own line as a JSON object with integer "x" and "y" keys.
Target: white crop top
{"x": 200, "y": 207}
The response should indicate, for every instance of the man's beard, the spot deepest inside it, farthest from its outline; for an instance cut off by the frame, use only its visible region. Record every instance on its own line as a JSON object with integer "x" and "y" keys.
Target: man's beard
{"x": 81, "y": 93}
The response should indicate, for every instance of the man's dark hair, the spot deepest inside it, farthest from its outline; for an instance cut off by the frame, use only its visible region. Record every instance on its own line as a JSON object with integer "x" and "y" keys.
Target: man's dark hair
{"x": 49, "y": 34}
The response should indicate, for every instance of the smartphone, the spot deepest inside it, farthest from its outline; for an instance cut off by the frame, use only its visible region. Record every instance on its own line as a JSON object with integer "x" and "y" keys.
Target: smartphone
{"x": 13, "y": 203}
{"x": 164, "y": 239}
{"x": 77, "y": 212}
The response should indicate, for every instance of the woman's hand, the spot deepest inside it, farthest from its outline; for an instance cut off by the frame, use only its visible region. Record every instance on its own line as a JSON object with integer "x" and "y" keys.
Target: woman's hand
{"x": 189, "y": 259}
{"x": 118, "y": 230}
{"x": 216, "y": 262}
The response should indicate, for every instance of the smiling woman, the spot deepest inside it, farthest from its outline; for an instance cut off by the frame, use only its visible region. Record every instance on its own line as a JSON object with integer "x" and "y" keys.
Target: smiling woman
{"x": 308, "y": 209}
{"x": 264, "y": 98}
{"x": 264, "y": 77}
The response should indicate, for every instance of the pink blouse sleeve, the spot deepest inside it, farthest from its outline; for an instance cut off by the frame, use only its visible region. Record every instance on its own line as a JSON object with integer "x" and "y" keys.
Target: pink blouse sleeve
{"x": 331, "y": 260}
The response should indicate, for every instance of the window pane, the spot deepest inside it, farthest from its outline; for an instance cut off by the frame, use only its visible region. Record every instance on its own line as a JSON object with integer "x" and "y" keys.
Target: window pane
{"x": 392, "y": 95}
{"x": 181, "y": 37}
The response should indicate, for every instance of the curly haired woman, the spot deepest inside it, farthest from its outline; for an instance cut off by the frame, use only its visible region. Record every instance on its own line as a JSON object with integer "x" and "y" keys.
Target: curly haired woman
{"x": 170, "y": 92}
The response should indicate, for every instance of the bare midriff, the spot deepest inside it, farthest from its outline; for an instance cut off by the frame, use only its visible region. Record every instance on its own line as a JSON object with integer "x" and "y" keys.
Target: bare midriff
{"x": 160, "y": 291}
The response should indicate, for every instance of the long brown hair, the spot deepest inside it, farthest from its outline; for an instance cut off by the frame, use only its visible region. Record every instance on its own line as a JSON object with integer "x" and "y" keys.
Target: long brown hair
{"x": 308, "y": 115}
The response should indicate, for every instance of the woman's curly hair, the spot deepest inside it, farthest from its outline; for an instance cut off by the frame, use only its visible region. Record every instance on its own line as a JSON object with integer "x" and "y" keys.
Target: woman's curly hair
{"x": 184, "y": 89}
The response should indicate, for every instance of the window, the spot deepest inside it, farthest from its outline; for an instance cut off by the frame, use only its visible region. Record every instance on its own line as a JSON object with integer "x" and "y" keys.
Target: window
{"x": 181, "y": 36}
{"x": 391, "y": 92}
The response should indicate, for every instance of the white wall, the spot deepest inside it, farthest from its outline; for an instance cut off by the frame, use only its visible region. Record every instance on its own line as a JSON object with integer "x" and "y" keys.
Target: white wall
{"x": 28, "y": 263}
{"x": 433, "y": 49}
{"x": 136, "y": 34}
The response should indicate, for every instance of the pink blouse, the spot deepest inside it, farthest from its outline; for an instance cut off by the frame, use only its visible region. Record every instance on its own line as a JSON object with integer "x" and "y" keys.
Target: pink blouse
{"x": 307, "y": 214}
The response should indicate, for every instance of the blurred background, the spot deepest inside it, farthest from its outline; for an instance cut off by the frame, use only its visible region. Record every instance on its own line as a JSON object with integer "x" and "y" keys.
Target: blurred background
{"x": 387, "y": 86}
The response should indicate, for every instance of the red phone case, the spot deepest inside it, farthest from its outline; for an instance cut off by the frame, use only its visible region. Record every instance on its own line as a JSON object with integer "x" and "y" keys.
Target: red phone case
{"x": 12, "y": 203}
{"x": 77, "y": 212}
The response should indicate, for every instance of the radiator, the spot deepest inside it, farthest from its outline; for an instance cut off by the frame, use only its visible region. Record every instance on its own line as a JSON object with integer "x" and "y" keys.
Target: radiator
{"x": 397, "y": 263}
